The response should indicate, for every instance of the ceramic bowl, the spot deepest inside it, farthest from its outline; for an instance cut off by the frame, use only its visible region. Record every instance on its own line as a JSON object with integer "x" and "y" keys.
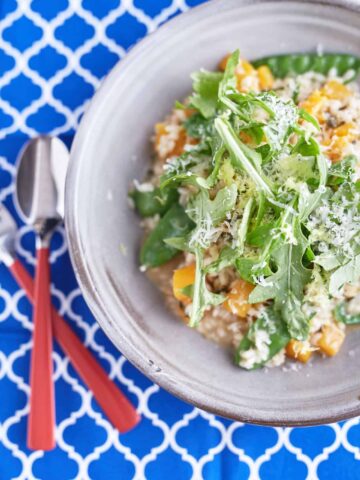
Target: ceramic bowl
{"x": 112, "y": 148}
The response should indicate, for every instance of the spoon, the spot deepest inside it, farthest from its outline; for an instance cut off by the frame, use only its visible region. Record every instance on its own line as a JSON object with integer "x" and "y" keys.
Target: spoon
{"x": 40, "y": 186}
{"x": 115, "y": 405}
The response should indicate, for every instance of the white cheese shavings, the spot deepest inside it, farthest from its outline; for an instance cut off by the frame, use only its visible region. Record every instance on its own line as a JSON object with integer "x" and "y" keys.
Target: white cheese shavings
{"x": 256, "y": 355}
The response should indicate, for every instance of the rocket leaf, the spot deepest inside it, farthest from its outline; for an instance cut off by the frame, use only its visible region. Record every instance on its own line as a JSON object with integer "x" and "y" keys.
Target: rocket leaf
{"x": 286, "y": 285}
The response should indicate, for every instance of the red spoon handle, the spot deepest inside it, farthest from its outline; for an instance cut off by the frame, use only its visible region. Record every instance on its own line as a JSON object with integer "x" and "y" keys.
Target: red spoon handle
{"x": 41, "y": 421}
{"x": 113, "y": 402}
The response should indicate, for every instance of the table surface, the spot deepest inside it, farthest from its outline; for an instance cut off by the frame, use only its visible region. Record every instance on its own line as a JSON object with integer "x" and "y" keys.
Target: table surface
{"x": 53, "y": 56}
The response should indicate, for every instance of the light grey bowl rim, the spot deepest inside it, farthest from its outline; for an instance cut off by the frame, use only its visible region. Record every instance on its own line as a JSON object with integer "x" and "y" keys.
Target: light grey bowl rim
{"x": 73, "y": 237}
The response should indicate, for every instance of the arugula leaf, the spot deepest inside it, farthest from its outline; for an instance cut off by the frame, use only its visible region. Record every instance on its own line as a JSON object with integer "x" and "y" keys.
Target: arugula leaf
{"x": 207, "y": 213}
{"x": 309, "y": 118}
{"x": 348, "y": 273}
{"x": 174, "y": 223}
{"x": 205, "y": 86}
{"x": 307, "y": 203}
{"x": 228, "y": 255}
{"x": 301, "y": 168}
{"x": 252, "y": 268}
{"x": 257, "y": 268}
{"x": 307, "y": 147}
{"x": 286, "y": 285}
{"x": 202, "y": 297}
{"x": 260, "y": 234}
{"x": 334, "y": 233}
{"x": 198, "y": 127}
{"x": 225, "y": 259}
{"x": 217, "y": 162}
{"x": 182, "y": 169}
{"x": 342, "y": 315}
{"x": 173, "y": 180}
{"x": 228, "y": 83}
{"x": 155, "y": 202}
{"x": 241, "y": 104}
{"x": 242, "y": 156}
{"x": 283, "y": 118}
{"x": 342, "y": 171}
{"x": 261, "y": 209}
{"x": 264, "y": 339}
{"x": 243, "y": 227}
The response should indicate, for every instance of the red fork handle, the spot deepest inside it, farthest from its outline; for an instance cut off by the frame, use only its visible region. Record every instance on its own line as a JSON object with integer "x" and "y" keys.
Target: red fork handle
{"x": 115, "y": 405}
{"x": 41, "y": 420}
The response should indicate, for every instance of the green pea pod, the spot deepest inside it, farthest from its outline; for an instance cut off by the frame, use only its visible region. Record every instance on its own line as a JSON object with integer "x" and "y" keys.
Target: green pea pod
{"x": 343, "y": 316}
{"x": 155, "y": 202}
{"x": 267, "y": 324}
{"x": 175, "y": 223}
{"x": 294, "y": 64}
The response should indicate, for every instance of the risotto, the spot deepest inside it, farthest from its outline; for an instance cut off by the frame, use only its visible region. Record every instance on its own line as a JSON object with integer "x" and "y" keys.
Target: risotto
{"x": 250, "y": 208}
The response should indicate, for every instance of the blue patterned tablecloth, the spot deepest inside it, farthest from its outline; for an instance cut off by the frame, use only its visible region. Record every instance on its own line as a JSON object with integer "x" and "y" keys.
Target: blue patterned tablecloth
{"x": 53, "y": 56}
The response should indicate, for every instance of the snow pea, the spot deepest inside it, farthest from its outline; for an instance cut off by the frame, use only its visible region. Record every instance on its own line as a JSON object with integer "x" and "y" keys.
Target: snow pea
{"x": 155, "y": 202}
{"x": 295, "y": 64}
{"x": 175, "y": 223}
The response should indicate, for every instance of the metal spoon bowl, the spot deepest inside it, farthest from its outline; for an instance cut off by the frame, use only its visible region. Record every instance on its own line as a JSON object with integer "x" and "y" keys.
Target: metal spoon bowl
{"x": 40, "y": 183}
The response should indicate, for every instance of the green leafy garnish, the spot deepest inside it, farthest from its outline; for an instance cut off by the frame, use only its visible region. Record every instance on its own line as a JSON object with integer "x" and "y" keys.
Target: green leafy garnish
{"x": 197, "y": 126}
{"x": 175, "y": 223}
{"x": 242, "y": 157}
{"x": 347, "y": 273}
{"x": 228, "y": 255}
{"x": 202, "y": 297}
{"x": 205, "y": 97}
{"x": 334, "y": 232}
{"x": 154, "y": 202}
{"x": 286, "y": 285}
{"x": 264, "y": 339}
{"x": 206, "y": 214}
{"x": 342, "y": 171}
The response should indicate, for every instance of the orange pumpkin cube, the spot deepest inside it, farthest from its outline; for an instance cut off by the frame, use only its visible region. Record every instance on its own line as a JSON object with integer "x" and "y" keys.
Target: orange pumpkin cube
{"x": 336, "y": 90}
{"x": 183, "y": 277}
{"x": 237, "y": 298}
{"x": 346, "y": 129}
{"x": 160, "y": 130}
{"x": 176, "y": 144}
{"x": 245, "y": 70}
{"x": 266, "y": 78}
{"x": 338, "y": 140}
{"x": 331, "y": 339}
{"x": 314, "y": 105}
{"x": 298, "y": 350}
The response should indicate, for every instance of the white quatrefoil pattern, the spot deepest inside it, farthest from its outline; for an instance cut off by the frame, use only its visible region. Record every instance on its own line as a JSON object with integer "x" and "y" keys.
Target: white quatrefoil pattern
{"x": 53, "y": 56}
